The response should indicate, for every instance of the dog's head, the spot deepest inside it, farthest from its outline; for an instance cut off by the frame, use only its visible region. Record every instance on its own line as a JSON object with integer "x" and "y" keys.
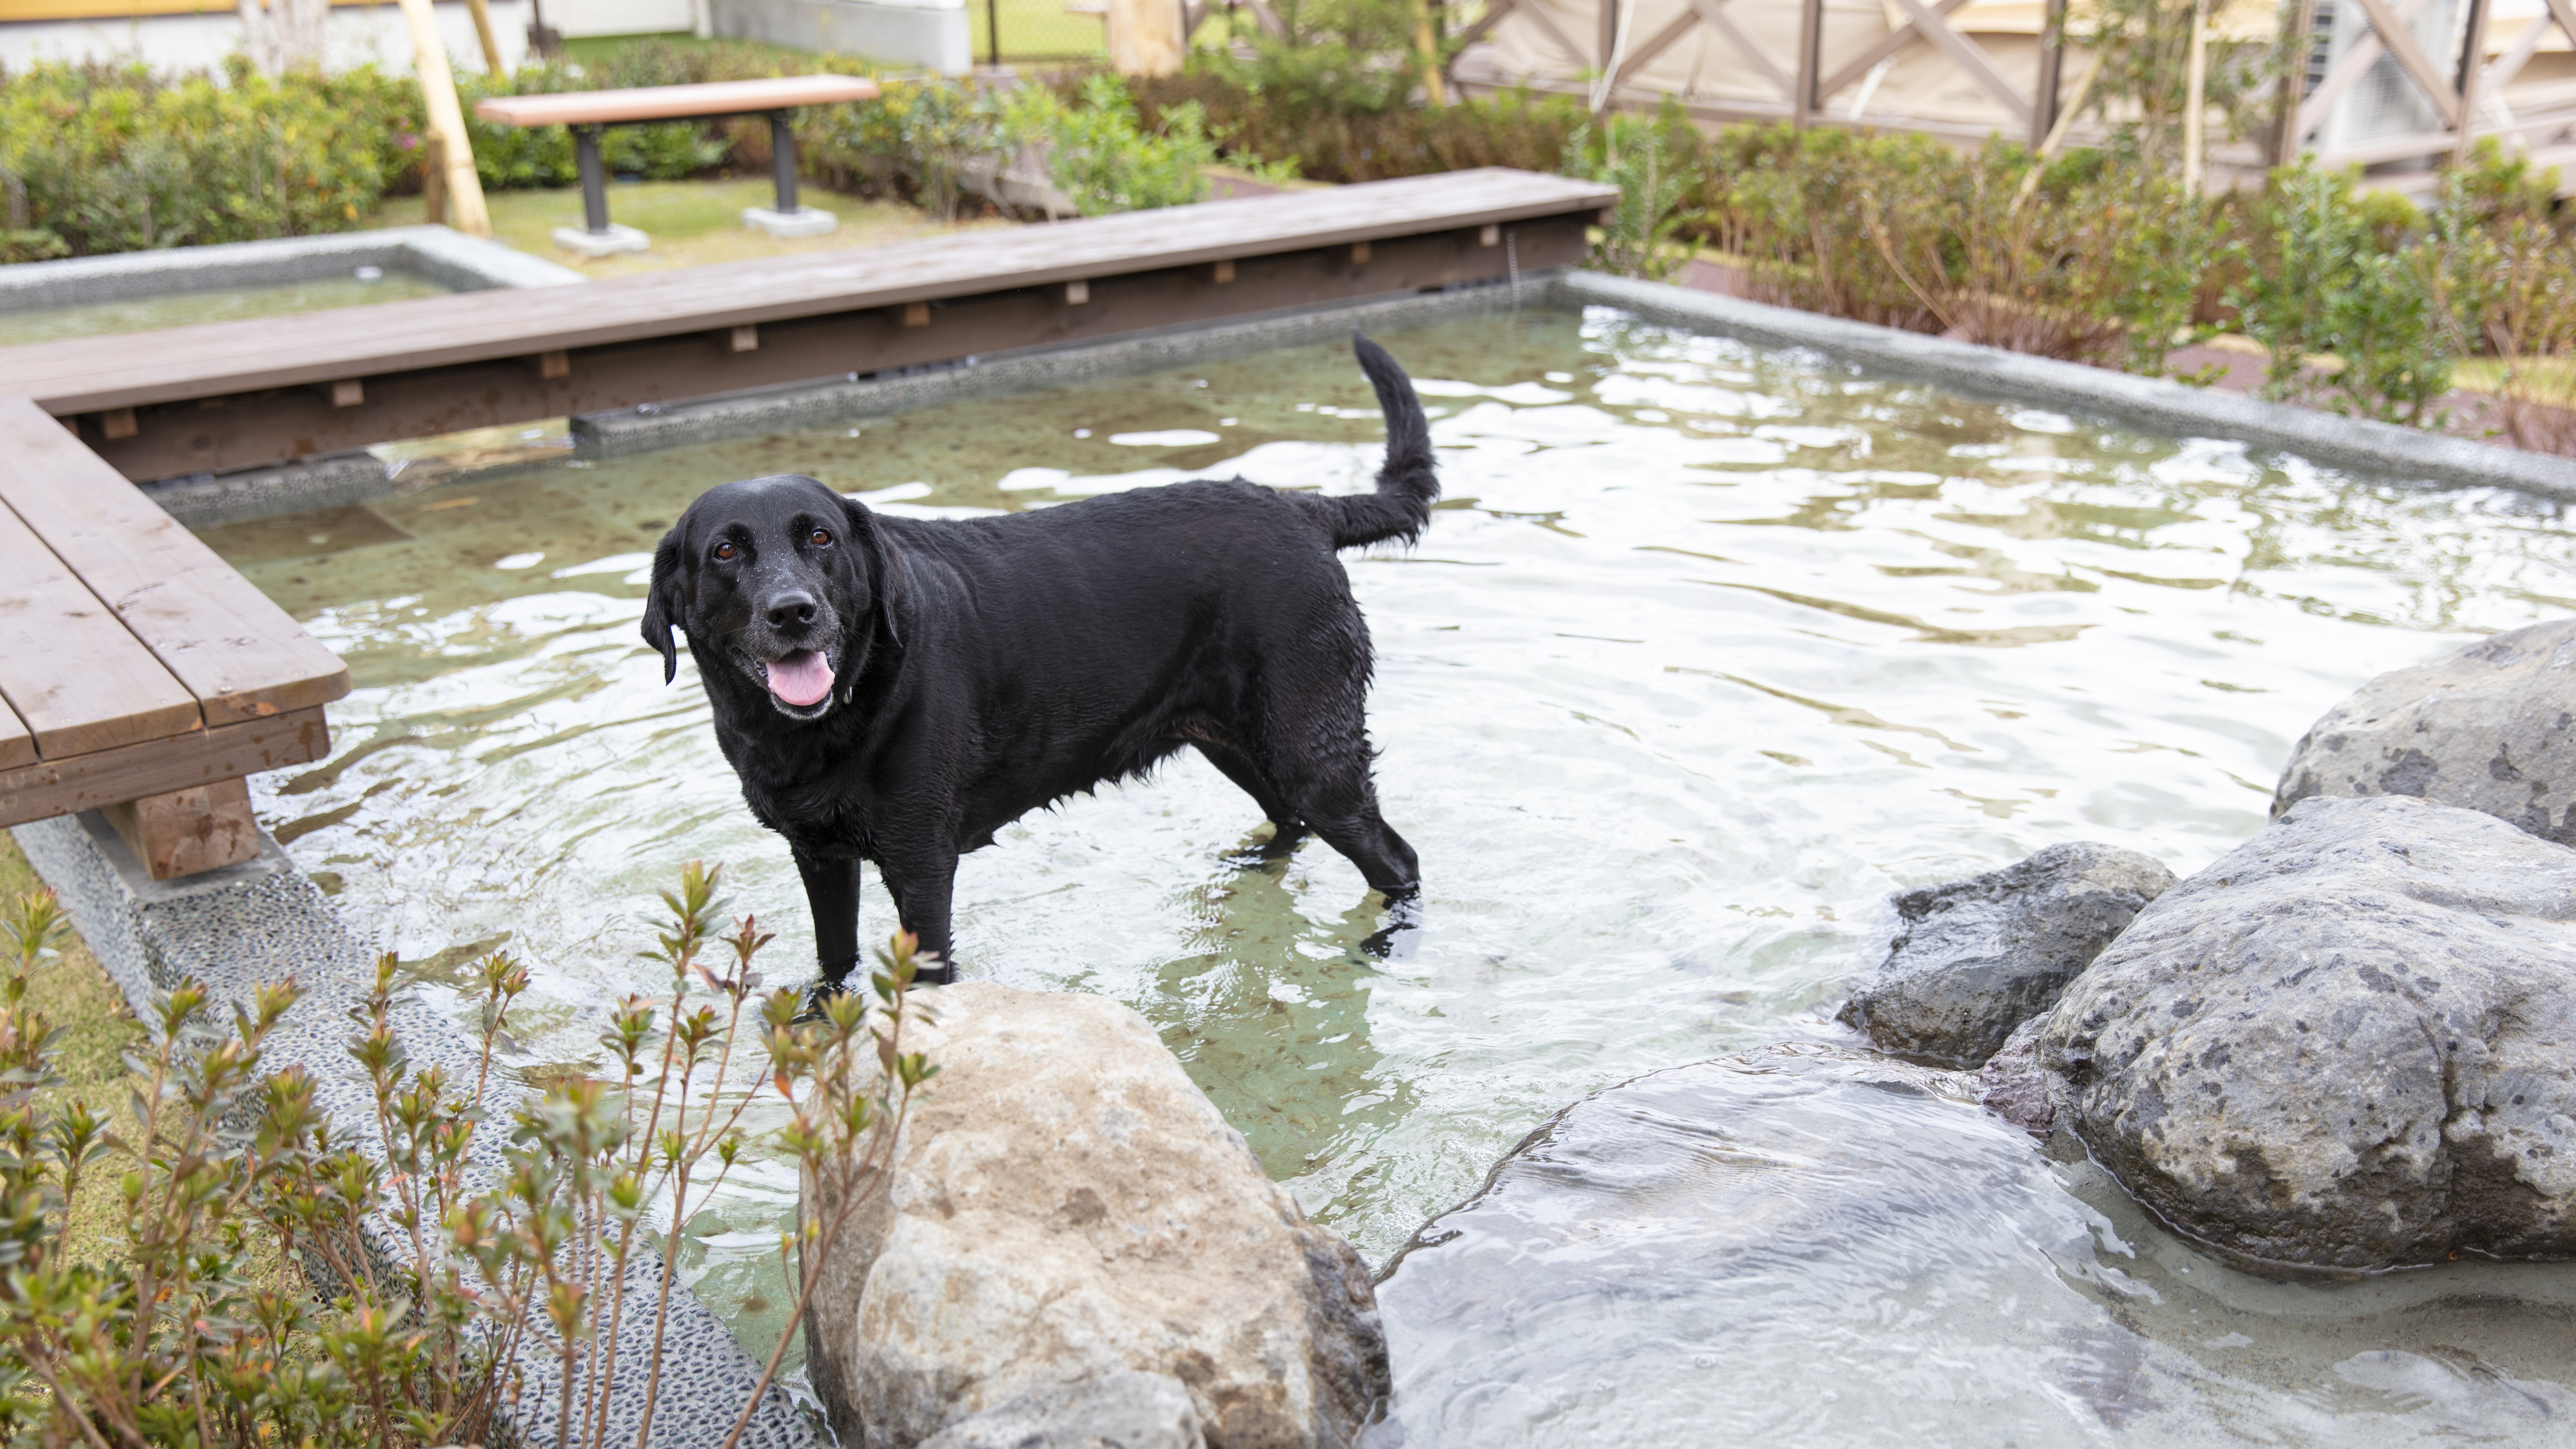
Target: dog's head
{"x": 785, "y": 588}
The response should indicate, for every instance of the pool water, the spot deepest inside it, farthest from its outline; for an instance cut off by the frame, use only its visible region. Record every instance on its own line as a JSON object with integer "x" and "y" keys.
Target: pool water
{"x": 1707, "y": 651}
{"x": 220, "y": 304}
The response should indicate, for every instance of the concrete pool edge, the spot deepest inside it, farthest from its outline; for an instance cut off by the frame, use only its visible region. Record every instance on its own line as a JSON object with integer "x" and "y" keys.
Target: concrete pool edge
{"x": 239, "y": 927}
{"x": 2152, "y": 402}
{"x": 442, "y": 254}
{"x": 210, "y": 500}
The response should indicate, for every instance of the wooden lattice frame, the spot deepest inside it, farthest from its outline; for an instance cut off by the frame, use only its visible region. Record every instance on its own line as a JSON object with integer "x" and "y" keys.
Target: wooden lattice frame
{"x": 2458, "y": 98}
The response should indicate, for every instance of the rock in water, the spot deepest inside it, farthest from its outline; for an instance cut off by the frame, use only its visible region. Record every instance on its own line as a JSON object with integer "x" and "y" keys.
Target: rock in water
{"x": 2350, "y": 1045}
{"x": 1066, "y": 1205}
{"x": 1711, "y": 1255}
{"x": 2485, "y": 728}
{"x": 1977, "y": 957}
{"x": 1114, "y": 1411}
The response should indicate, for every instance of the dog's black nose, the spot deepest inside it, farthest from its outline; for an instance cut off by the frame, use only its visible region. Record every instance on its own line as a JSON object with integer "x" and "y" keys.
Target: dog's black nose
{"x": 793, "y": 606}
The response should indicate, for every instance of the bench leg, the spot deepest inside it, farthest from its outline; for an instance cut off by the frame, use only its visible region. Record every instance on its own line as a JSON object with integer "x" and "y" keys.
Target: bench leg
{"x": 594, "y": 179}
{"x": 782, "y": 161}
{"x": 187, "y": 831}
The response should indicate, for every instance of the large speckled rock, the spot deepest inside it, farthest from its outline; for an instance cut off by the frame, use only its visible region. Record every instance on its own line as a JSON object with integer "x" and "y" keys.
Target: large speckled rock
{"x": 2349, "y": 1045}
{"x": 1978, "y": 957}
{"x": 2485, "y": 728}
{"x": 1114, "y": 1411}
{"x": 1066, "y": 1205}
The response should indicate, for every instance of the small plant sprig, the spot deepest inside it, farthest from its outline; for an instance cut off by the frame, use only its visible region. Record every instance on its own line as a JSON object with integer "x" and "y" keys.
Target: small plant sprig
{"x": 447, "y": 1266}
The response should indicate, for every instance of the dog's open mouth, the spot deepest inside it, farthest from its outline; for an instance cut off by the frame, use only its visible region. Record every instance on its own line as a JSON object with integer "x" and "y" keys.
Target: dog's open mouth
{"x": 802, "y": 679}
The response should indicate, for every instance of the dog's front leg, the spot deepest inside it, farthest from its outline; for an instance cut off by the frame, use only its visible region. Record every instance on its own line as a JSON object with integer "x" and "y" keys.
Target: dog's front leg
{"x": 922, "y": 882}
{"x": 832, "y": 894}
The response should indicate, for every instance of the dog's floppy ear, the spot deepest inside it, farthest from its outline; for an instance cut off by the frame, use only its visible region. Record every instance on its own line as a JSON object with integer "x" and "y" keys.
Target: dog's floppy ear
{"x": 666, "y": 604}
{"x": 883, "y": 562}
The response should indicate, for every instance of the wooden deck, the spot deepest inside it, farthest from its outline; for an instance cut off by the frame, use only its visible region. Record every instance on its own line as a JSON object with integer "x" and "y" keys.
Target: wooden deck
{"x": 233, "y": 395}
{"x": 134, "y": 663}
{"x": 141, "y": 676}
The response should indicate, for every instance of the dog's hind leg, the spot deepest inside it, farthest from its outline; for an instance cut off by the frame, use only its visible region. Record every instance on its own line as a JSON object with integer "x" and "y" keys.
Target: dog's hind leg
{"x": 1385, "y": 861}
{"x": 832, "y": 895}
{"x": 1317, "y": 754}
{"x": 1238, "y": 767}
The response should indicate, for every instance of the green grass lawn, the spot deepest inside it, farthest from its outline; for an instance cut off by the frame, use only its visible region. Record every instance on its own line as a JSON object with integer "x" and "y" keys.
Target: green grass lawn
{"x": 1035, "y": 29}
{"x": 692, "y": 223}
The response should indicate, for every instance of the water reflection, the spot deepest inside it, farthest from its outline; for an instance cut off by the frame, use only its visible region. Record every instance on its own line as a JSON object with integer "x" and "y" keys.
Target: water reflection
{"x": 1707, "y": 651}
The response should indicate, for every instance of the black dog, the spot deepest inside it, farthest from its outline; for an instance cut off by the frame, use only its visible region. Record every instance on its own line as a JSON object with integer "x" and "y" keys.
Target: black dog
{"x": 897, "y": 690}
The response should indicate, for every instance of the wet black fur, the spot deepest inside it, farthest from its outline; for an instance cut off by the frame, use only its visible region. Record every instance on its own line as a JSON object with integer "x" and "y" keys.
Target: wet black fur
{"x": 987, "y": 667}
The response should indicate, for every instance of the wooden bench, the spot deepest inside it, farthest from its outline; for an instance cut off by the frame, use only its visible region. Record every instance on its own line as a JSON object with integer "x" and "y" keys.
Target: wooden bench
{"x": 231, "y": 395}
{"x": 139, "y": 675}
{"x": 589, "y": 113}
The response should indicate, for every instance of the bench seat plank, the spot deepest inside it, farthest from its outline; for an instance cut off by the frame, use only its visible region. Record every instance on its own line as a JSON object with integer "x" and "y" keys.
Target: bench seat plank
{"x": 673, "y": 103}
{"x": 158, "y": 767}
{"x": 235, "y": 654}
{"x": 69, "y": 669}
{"x": 17, "y": 747}
{"x": 91, "y": 374}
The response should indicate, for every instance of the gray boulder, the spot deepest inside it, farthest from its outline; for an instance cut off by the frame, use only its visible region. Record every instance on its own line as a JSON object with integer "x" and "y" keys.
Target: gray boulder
{"x": 2349, "y": 1045}
{"x": 1113, "y": 1411}
{"x": 1978, "y": 957}
{"x": 2484, "y": 728}
{"x": 1635, "y": 1265}
{"x": 1066, "y": 1206}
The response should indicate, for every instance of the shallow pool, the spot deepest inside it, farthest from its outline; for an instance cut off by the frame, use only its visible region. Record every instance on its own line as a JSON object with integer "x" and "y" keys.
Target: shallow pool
{"x": 214, "y": 304}
{"x": 1707, "y": 651}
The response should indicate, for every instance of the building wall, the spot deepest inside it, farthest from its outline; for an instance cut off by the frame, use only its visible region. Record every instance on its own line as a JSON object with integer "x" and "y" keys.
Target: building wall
{"x": 620, "y": 17}
{"x": 357, "y": 34}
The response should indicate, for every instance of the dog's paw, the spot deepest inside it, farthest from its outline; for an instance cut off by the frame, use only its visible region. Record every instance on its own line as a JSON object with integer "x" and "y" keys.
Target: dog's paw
{"x": 817, "y": 998}
{"x": 1256, "y": 850}
{"x": 1399, "y": 935}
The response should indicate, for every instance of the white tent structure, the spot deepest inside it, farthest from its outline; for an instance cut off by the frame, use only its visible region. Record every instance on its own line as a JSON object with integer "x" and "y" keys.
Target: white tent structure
{"x": 2385, "y": 84}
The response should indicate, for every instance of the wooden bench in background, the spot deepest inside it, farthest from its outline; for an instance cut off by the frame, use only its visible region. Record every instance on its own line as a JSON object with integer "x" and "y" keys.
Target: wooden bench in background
{"x": 589, "y": 113}
{"x": 139, "y": 675}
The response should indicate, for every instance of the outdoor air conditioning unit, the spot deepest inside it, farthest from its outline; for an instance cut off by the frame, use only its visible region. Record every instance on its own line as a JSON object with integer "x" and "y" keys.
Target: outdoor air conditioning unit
{"x": 2385, "y": 104}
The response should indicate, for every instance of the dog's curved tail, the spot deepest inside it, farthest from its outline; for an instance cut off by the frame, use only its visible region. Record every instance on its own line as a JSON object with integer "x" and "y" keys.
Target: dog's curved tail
{"x": 1407, "y": 485}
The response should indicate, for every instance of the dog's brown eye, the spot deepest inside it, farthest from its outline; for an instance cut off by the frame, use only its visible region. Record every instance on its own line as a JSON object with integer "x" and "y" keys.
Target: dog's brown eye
{"x": 724, "y": 550}
{"x": 820, "y": 536}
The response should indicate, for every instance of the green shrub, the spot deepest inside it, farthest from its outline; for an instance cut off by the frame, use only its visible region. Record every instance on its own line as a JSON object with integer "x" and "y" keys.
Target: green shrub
{"x": 115, "y": 160}
{"x": 1338, "y": 58}
{"x": 1514, "y": 129}
{"x": 922, "y": 139}
{"x": 1659, "y": 166}
{"x": 2094, "y": 257}
{"x": 1103, "y": 157}
{"x": 918, "y": 139}
{"x": 2331, "y": 270}
{"x": 170, "y": 1337}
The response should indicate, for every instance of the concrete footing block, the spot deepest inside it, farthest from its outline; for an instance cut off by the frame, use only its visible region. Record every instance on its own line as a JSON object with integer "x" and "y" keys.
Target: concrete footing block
{"x": 239, "y": 927}
{"x": 803, "y": 221}
{"x": 618, "y": 238}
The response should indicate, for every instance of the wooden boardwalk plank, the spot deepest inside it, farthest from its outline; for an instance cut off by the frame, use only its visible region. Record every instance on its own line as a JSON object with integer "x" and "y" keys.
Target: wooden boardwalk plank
{"x": 238, "y": 655}
{"x": 157, "y": 767}
{"x": 17, "y": 747}
{"x": 671, "y": 103}
{"x": 93, "y": 374}
{"x": 75, "y": 675}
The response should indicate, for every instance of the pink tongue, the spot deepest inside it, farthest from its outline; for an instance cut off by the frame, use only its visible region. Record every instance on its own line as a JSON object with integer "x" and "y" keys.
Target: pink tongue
{"x": 802, "y": 678}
